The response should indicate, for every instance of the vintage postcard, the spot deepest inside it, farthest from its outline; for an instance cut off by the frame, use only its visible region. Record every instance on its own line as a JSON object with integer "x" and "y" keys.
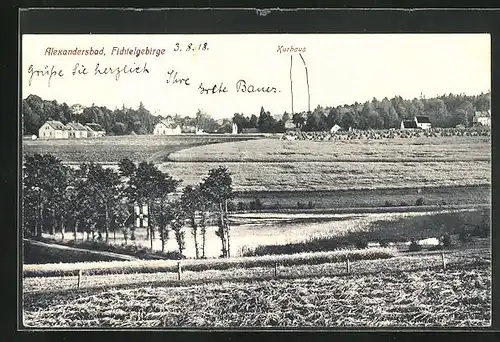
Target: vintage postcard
{"x": 255, "y": 180}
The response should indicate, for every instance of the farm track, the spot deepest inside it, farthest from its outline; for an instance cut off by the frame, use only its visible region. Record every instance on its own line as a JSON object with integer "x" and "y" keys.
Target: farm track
{"x": 64, "y": 247}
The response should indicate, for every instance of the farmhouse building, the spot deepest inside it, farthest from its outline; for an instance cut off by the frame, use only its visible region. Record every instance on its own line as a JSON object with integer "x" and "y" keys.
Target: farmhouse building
{"x": 94, "y": 130}
{"x": 335, "y": 128}
{"x": 53, "y": 129}
{"x": 482, "y": 118}
{"x": 166, "y": 127}
{"x": 77, "y": 130}
{"x": 408, "y": 124}
{"x": 423, "y": 122}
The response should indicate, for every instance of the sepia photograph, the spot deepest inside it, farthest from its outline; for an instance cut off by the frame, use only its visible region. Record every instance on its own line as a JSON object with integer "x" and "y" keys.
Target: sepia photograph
{"x": 275, "y": 180}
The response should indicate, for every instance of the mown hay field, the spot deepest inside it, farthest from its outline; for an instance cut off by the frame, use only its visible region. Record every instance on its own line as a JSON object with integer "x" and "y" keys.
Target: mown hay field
{"x": 390, "y": 150}
{"x": 112, "y": 149}
{"x": 307, "y": 176}
{"x": 387, "y": 295}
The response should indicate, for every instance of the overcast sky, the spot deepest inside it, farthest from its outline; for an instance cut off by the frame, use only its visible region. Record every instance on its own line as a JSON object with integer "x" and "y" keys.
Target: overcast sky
{"x": 342, "y": 69}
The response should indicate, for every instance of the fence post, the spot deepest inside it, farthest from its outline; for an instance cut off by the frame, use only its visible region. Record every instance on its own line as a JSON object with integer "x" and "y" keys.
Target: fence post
{"x": 79, "y": 278}
{"x": 348, "y": 266}
{"x": 275, "y": 269}
{"x": 443, "y": 261}
{"x": 179, "y": 270}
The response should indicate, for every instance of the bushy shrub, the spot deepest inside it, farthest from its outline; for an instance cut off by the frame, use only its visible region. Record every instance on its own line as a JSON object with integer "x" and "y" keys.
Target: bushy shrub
{"x": 404, "y": 204}
{"x": 300, "y": 205}
{"x": 388, "y": 204}
{"x": 256, "y": 204}
{"x": 482, "y": 231}
{"x": 446, "y": 240}
{"x": 311, "y": 205}
{"x": 231, "y": 206}
{"x": 242, "y": 206}
{"x": 414, "y": 247}
{"x": 384, "y": 243}
{"x": 419, "y": 201}
{"x": 464, "y": 236}
{"x": 361, "y": 244}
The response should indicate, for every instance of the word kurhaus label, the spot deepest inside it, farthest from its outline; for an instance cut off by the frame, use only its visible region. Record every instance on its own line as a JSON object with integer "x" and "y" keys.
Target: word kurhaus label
{"x": 284, "y": 49}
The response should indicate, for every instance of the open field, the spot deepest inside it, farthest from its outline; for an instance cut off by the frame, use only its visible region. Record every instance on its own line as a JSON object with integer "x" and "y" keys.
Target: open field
{"x": 312, "y": 176}
{"x": 112, "y": 149}
{"x": 388, "y": 150}
{"x": 402, "y": 291}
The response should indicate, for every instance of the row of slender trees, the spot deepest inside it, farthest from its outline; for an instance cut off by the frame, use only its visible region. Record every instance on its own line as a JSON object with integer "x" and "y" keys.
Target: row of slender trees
{"x": 100, "y": 201}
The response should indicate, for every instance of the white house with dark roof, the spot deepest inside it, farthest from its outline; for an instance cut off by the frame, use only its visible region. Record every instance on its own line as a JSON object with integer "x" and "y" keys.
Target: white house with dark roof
{"x": 482, "y": 118}
{"x": 94, "y": 130}
{"x": 423, "y": 122}
{"x": 53, "y": 129}
{"x": 409, "y": 124}
{"x": 167, "y": 127}
{"x": 77, "y": 130}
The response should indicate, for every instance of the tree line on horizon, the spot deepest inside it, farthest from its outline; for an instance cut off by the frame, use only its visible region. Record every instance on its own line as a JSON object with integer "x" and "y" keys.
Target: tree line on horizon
{"x": 101, "y": 201}
{"x": 443, "y": 111}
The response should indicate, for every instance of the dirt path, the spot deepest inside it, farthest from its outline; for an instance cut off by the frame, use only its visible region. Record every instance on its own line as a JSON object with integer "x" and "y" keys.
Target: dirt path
{"x": 57, "y": 246}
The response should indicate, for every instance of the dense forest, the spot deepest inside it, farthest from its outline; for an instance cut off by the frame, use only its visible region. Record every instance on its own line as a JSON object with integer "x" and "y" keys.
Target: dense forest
{"x": 444, "y": 111}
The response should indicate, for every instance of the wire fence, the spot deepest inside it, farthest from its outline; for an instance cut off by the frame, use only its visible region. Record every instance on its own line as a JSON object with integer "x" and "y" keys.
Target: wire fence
{"x": 444, "y": 261}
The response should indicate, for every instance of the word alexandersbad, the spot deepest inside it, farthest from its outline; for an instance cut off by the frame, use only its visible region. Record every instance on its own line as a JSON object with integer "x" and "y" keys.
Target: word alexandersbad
{"x": 100, "y": 52}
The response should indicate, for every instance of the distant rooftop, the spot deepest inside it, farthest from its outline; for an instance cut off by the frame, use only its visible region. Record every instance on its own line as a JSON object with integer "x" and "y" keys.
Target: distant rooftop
{"x": 423, "y": 119}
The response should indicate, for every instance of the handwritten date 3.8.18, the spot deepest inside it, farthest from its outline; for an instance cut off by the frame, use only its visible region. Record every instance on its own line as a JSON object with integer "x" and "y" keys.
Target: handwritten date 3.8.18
{"x": 191, "y": 47}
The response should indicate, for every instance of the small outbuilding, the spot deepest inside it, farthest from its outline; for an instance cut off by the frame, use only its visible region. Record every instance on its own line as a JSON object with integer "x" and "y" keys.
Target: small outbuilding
{"x": 94, "y": 130}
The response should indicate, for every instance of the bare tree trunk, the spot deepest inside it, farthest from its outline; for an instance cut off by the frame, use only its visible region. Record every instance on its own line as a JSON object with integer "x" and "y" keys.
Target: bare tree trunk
{"x": 39, "y": 232}
{"x": 226, "y": 226}
{"x": 106, "y": 218}
{"x": 203, "y": 234}
{"x": 195, "y": 236}
{"x": 151, "y": 239}
{"x": 75, "y": 231}
{"x": 52, "y": 228}
{"x": 62, "y": 228}
{"x": 163, "y": 240}
{"x": 222, "y": 231}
